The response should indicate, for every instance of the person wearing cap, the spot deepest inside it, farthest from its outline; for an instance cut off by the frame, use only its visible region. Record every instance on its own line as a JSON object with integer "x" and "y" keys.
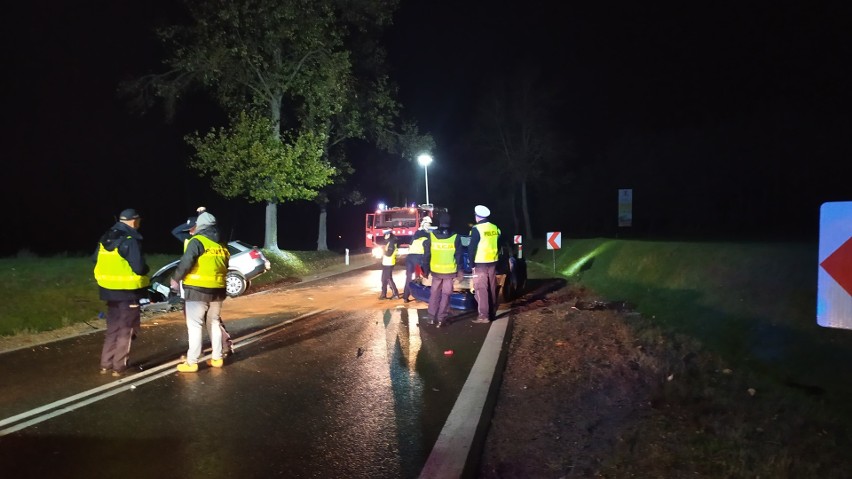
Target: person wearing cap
{"x": 484, "y": 251}
{"x": 388, "y": 262}
{"x": 203, "y": 268}
{"x": 444, "y": 255}
{"x": 414, "y": 260}
{"x": 122, "y": 276}
{"x": 183, "y": 233}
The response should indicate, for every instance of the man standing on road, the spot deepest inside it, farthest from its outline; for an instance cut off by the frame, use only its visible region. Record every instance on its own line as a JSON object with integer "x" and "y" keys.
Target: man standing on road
{"x": 183, "y": 232}
{"x": 121, "y": 274}
{"x": 388, "y": 262}
{"x": 202, "y": 269}
{"x": 443, "y": 253}
{"x": 483, "y": 249}
{"x": 415, "y": 257}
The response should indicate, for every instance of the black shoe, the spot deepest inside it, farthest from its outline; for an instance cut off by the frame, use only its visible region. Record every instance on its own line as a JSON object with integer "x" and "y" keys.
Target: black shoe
{"x": 383, "y": 297}
{"x": 441, "y": 324}
{"x": 406, "y": 300}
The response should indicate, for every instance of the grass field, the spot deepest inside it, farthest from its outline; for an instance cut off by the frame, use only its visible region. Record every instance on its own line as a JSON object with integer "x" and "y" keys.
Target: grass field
{"x": 42, "y": 294}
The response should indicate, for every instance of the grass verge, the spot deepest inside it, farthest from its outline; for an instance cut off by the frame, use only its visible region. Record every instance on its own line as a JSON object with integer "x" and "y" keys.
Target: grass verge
{"x": 43, "y": 294}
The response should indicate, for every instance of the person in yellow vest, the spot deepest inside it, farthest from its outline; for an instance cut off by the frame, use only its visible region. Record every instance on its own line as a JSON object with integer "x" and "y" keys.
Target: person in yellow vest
{"x": 203, "y": 268}
{"x": 484, "y": 251}
{"x": 183, "y": 233}
{"x": 414, "y": 259}
{"x": 444, "y": 255}
{"x": 122, "y": 276}
{"x": 388, "y": 262}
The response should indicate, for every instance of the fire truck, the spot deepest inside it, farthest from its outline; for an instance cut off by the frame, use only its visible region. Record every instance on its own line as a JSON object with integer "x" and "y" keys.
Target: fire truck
{"x": 402, "y": 220}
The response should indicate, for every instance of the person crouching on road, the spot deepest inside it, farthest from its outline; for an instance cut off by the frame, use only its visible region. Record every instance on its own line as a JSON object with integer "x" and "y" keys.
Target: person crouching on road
{"x": 388, "y": 262}
{"x": 121, "y": 274}
{"x": 415, "y": 257}
{"x": 484, "y": 250}
{"x": 444, "y": 254}
{"x": 203, "y": 268}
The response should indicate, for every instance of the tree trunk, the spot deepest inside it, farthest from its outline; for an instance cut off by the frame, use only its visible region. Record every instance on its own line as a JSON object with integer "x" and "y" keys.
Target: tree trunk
{"x": 271, "y": 236}
{"x": 526, "y": 210}
{"x": 322, "y": 243}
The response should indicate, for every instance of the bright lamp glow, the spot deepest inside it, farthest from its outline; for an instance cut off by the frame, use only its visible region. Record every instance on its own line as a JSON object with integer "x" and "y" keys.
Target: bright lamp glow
{"x": 424, "y": 159}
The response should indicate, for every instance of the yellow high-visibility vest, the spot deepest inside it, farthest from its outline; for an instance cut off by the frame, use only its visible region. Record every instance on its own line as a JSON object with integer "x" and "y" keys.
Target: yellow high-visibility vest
{"x": 417, "y": 246}
{"x": 486, "y": 250}
{"x": 112, "y": 271}
{"x": 389, "y": 260}
{"x": 211, "y": 267}
{"x": 443, "y": 258}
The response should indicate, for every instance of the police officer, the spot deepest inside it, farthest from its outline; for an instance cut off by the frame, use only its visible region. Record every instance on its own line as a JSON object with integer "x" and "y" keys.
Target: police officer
{"x": 483, "y": 248}
{"x": 388, "y": 262}
{"x": 121, "y": 274}
{"x": 415, "y": 256}
{"x": 444, "y": 255}
{"x": 202, "y": 269}
{"x": 183, "y": 232}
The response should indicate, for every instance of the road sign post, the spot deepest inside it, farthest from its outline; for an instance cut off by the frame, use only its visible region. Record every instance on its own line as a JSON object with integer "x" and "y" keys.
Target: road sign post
{"x": 834, "y": 279}
{"x": 518, "y": 240}
{"x": 554, "y": 242}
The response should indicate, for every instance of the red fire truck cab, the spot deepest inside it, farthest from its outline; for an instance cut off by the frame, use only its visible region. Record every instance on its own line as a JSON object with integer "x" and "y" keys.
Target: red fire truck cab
{"x": 402, "y": 220}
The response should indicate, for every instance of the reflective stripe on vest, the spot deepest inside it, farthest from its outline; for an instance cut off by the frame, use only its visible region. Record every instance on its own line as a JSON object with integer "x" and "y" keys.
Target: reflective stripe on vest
{"x": 417, "y": 246}
{"x": 211, "y": 267}
{"x": 112, "y": 271}
{"x": 389, "y": 260}
{"x": 486, "y": 250}
{"x": 443, "y": 255}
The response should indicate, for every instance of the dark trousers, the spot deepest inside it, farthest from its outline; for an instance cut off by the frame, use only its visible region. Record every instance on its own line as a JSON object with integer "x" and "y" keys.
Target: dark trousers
{"x": 412, "y": 261}
{"x": 485, "y": 290}
{"x": 123, "y": 321}
{"x": 439, "y": 296}
{"x": 387, "y": 280}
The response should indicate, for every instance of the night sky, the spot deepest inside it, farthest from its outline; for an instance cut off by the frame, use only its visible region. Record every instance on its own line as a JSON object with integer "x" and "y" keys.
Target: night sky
{"x": 729, "y": 120}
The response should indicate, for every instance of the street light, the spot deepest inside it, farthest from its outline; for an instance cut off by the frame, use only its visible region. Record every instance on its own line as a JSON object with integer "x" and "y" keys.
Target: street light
{"x": 424, "y": 159}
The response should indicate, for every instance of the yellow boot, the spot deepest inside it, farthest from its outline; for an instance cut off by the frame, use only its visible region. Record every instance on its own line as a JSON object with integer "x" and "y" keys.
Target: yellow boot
{"x": 185, "y": 367}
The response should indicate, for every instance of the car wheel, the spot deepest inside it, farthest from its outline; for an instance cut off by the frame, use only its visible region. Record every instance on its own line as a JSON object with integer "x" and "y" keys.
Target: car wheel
{"x": 235, "y": 284}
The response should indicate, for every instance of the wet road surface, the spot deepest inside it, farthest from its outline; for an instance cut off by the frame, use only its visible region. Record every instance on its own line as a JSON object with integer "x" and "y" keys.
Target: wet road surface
{"x": 327, "y": 382}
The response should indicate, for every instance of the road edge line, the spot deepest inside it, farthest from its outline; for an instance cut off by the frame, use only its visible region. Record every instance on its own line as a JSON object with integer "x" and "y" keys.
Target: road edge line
{"x": 451, "y": 451}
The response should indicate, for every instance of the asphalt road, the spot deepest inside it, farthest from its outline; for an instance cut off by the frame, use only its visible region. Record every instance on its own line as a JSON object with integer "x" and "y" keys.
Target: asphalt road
{"x": 327, "y": 382}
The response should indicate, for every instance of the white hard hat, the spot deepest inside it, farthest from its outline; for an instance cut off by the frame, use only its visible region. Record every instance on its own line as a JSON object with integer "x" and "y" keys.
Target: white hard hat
{"x": 482, "y": 211}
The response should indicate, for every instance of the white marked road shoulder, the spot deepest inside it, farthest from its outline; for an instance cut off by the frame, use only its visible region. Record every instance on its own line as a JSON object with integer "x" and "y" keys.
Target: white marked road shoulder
{"x": 451, "y": 450}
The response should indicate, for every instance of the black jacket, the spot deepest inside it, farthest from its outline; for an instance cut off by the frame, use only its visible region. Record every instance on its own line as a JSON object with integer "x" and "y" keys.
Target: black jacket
{"x": 181, "y": 231}
{"x": 129, "y": 244}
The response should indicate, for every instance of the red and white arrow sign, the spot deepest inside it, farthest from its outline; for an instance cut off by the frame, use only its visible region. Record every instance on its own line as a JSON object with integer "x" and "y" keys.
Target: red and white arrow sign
{"x": 518, "y": 239}
{"x": 837, "y": 266}
{"x": 554, "y": 240}
{"x": 834, "y": 277}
